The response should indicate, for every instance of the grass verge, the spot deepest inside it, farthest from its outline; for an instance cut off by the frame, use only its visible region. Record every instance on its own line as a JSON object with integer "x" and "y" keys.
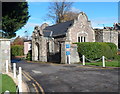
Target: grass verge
{"x": 8, "y": 84}
{"x": 107, "y": 63}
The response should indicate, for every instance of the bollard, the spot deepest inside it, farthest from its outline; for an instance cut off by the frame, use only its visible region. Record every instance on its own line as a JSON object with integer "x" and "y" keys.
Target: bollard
{"x": 6, "y": 66}
{"x": 83, "y": 60}
{"x": 68, "y": 59}
{"x": 20, "y": 80}
{"x": 103, "y": 61}
{"x": 14, "y": 69}
{"x": 7, "y": 92}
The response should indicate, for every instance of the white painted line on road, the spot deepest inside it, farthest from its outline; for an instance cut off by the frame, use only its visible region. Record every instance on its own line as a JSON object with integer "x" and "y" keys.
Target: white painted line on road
{"x": 37, "y": 72}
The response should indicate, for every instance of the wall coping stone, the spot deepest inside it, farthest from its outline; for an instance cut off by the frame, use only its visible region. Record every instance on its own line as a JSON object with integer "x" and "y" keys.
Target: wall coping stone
{"x": 5, "y": 39}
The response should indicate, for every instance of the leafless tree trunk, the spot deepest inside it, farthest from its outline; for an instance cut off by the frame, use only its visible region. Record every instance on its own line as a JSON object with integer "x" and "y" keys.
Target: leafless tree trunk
{"x": 58, "y": 9}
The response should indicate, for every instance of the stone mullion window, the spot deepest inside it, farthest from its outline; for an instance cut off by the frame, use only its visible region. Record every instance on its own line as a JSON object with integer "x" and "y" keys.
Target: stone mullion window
{"x": 81, "y": 39}
{"x": 84, "y": 39}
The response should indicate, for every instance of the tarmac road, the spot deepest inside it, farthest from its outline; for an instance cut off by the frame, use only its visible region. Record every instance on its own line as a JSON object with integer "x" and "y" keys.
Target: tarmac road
{"x": 68, "y": 78}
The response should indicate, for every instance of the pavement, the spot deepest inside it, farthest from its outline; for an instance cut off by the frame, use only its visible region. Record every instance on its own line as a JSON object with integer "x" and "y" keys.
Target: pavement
{"x": 44, "y": 77}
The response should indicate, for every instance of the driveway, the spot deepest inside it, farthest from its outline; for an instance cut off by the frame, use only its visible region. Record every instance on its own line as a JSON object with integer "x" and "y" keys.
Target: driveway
{"x": 68, "y": 78}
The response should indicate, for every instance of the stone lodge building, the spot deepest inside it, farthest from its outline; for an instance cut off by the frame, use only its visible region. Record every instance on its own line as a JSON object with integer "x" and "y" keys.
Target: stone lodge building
{"x": 55, "y": 43}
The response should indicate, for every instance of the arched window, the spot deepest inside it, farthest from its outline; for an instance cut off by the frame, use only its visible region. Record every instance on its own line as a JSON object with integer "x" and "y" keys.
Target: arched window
{"x": 82, "y": 37}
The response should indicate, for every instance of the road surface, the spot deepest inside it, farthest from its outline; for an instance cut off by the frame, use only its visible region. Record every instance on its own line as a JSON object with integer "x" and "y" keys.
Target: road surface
{"x": 68, "y": 78}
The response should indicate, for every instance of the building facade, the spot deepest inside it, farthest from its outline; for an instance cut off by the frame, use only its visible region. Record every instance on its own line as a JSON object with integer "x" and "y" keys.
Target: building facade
{"x": 55, "y": 43}
{"x": 108, "y": 34}
{"x": 49, "y": 42}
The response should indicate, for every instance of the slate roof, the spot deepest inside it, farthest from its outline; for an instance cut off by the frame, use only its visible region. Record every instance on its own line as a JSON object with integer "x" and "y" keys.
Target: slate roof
{"x": 117, "y": 26}
{"x": 58, "y": 29}
{"x": 47, "y": 33}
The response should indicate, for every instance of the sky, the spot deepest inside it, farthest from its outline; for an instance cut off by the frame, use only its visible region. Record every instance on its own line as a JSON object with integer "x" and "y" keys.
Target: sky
{"x": 99, "y": 13}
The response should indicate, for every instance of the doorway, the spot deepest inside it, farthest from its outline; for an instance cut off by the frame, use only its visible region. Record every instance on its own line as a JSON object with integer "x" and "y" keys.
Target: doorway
{"x": 36, "y": 52}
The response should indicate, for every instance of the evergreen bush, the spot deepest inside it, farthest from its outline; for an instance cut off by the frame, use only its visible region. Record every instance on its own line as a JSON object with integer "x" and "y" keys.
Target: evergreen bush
{"x": 29, "y": 55}
{"x": 17, "y": 50}
{"x": 95, "y": 50}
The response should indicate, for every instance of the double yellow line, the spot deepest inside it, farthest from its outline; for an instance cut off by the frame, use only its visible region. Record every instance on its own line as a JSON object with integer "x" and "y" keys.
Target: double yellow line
{"x": 29, "y": 78}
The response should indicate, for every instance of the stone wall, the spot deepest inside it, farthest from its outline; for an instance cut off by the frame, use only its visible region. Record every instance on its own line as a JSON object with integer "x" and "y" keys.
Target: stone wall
{"x": 39, "y": 47}
{"x": 74, "y": 54}
{"x": 107, "y": 36}
{"x": 63, "y": 53}
{"x": 43, "y": 50}
{"x": 4, "y": 53}
{"x": 110, "y": 36}
{"x": 99, "y": 36}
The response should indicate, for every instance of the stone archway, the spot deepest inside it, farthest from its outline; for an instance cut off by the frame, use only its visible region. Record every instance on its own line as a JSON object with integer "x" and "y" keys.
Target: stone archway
{"x": 36, "y": 52}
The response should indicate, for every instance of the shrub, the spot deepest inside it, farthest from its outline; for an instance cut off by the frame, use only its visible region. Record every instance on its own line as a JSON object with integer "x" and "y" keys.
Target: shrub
{"x": 29, "y": 55}
{"x": 113, "y": 47}
{"x": 17, "y": 50}
{"x": 95, "y": 50}
{"x": 117, "y": 57}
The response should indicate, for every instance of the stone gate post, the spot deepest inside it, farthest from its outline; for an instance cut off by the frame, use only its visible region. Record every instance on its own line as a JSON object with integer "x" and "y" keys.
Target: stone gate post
{"x": 69, "y": 49}
{"x": 4, "y": 54}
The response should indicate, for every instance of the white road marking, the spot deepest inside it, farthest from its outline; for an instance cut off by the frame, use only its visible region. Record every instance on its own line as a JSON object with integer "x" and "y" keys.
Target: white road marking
{"x": 36, "y": 71}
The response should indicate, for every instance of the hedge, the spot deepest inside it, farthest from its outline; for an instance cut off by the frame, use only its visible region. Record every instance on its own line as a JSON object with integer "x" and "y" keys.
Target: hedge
{"x": 95, "y": 50}
{"x": 17, "y": 50}
{"x": 29, "y": 55}
{"x": 113, "y": 47}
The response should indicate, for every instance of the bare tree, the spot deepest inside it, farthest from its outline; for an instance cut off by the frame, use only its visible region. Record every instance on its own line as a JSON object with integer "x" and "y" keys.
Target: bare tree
{"x": 58, "y": 10}
{"x": 70, "y": 15}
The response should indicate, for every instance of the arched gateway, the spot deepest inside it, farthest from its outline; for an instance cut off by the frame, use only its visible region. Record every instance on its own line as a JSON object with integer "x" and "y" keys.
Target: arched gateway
{"x": 39, "y": 52}
{"x": 36, "y": 52}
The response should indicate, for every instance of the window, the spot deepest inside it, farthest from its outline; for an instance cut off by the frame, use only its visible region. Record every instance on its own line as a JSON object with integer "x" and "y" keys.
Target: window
{"x": 82, "y": 39}
{"x": 79, "y": 39}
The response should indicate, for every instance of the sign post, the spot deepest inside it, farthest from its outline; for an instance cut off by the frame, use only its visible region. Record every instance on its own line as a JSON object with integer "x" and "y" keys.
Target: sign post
{"x": 68, "y": 53}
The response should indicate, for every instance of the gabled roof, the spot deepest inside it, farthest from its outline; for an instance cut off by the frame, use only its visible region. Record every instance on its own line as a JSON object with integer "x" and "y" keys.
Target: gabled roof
{"x": 117, "y": 26}
{"x": 58, "y": 29}
{"x": 47, "y": 33}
